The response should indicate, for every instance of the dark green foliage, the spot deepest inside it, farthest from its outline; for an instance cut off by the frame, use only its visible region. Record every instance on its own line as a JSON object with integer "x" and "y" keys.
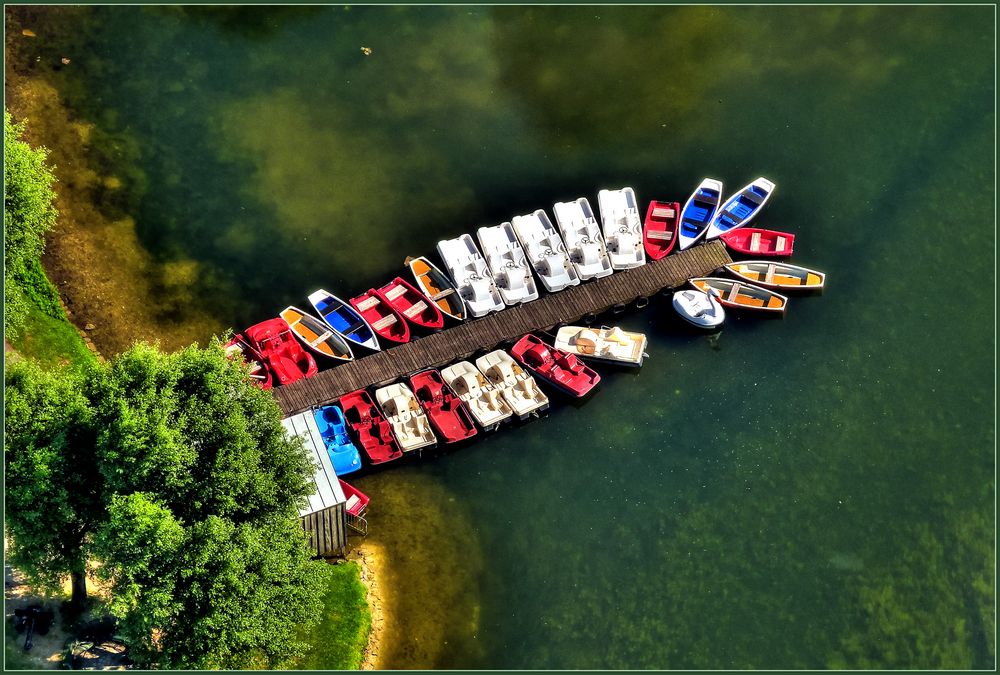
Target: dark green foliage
{"x": 190, "y": 504}
{"x": 28, "y": 214}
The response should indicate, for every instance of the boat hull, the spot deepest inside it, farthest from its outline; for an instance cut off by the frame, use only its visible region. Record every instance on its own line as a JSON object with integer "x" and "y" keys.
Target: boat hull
{"x": 449, "y": 416}
{"x": 698, "y": 212}
{"x": 741, "y": 208}
{"x": 758, "y": 241}
{"x": 699, "y": 309}
{"x": 344, "y": 319}
{"x": 410, "y": 303}
{"x": 283, "y": 354}
{"x": 437, "y": 287}
{"x": 560, "y": 369}
{"x": 777, "y": 275}
{"x": 316, "y": 335}
{"x": 369, "y": 427}
{"x": 738, "y": 294}
{"x": 384, "y": 320}
{"x": 659, "y": 232}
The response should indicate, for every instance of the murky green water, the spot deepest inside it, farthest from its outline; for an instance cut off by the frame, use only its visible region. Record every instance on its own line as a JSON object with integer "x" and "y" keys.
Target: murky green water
{"x": 810, "y": 492}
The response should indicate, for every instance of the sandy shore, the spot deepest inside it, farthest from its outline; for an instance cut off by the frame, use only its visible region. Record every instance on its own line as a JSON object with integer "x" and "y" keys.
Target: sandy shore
{"x": 371, "y": 557}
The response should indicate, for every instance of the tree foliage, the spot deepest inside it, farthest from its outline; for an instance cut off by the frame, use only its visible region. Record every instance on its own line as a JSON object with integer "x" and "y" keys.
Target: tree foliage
{"x": 29, "y": 213}
{"x": 194, "y": 518}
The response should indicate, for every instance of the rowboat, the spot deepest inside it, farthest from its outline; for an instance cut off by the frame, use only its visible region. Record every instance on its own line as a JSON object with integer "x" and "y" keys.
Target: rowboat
{"x": 555, "y": 366}
{"x": 485, "y": 401}
{"x": 370, "y": 427}
{"x": 412, "y": 304}
{"x": 384, "y": 320}
{"x": 316, "y": 335}
{"x": 468, "y": 270}
{"x": 517, "y": 386}
{"x": 344, "y": 319}
{"x": 280, "y": 351}
{"x": 698, "y": 308}
{"x": 612, "y": 345}
{"x": 448, "y": 414}
{"x": 409, "y": 423}
{"x": 507, "y": 262}
{"x": 343, "y": 454}
{"x": 622, "y": 228}
{"x": 757, "y": 241}
{"x": 545, "y": 251}
{"x": 777, "y": 275}
{"x": 741, "y": 208}
{"x": 357, "y": 501}
{"x": 260, "y": 374}
{"x": 698, "y": 211}
{"x": 741, "y": 295}
{"x": 659, "y": 232}
{"x": 437, "y": 287}
{"x": 582, "y": 235}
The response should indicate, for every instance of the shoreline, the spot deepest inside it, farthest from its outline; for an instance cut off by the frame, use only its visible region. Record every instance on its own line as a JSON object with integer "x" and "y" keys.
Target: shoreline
{"x": 369, "y": 557}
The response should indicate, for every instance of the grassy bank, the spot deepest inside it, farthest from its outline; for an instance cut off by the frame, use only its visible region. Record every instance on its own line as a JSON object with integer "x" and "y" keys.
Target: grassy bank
{"x": 339, "y": 638}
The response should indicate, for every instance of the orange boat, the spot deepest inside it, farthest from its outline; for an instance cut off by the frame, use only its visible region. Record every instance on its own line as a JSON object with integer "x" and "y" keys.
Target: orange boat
{"x": 437, "y": 287}
{"x": 741, "y": 295}
{"x": 777, "y": 275}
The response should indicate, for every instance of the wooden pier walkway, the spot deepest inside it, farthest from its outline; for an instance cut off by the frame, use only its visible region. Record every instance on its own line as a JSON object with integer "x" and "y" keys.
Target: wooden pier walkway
{"x": 469, "y": 337}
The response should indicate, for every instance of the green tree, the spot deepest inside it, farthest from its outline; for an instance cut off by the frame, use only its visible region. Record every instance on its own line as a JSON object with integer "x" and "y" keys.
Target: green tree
{"x": 28, "y": 214}
{"x": 197, "y": 530}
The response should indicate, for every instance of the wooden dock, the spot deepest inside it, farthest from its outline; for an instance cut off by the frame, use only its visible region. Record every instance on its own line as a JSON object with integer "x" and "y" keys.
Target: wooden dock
{"x": 469, "y": 337}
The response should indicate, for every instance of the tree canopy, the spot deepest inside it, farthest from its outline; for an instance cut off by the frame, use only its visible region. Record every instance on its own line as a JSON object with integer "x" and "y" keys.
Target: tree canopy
{"x": 174, "y": 473}
{"x": 29, "y": 213}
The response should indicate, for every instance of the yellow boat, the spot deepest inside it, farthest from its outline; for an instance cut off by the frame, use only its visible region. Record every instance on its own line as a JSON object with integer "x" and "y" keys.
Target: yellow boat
{"x": 317, "y": 335}
{"x": 742, "y": 295}
{"x": 777, "y": 274}
{"x": 437, "y": 287}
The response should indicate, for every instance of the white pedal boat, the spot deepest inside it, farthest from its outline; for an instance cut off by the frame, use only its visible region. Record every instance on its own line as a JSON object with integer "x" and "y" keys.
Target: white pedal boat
{"x": 583, "y": 239}
{"x": 699, "y": 308}
{"x": 546, "y": 251}
{"x": 408, "y": 420}
{"x": 622, "y": 228}
{"x": 517, "y": 385}
{"x": 613, "y": 345}
{"x": 486, "y": 402}
{"x": 468, "y": 270}
{"x": 506, "y": 260}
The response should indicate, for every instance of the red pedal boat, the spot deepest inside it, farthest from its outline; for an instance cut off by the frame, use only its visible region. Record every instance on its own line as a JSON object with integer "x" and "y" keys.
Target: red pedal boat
{"x": 447, "y": 413}
{"x": 555, "y": 366}
{"x": 357, "y": 501}
{"x": 659, "y": 233}
{"x": 370, "y": 426}
{"x": 757, "y": 241}
{"x": 411, "y": 303}
{"x": 280, "y": 351}
{"x": 260, "y": 374}
{"x": 381, "y": 316}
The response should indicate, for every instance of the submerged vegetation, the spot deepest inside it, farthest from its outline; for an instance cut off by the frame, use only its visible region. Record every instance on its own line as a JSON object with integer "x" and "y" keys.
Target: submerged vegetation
{"x": 340, "y": 635}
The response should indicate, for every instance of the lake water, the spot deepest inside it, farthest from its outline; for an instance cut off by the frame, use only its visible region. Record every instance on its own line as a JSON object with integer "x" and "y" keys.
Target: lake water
{"x": 806, "y": 493}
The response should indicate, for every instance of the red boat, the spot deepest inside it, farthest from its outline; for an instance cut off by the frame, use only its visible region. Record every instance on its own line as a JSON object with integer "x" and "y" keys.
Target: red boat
{"x": 260, "y": 374}
{"x": 555, "y": 366}
{"x": 280, "y": 351}
{"x": 757, "y": 241}
{"x": 411, "y": 303}
{"x": 370, "y": 426}
{"x": 380, "y": 315}
{"x": 659, "y": 233}
{"x": 447, "y": 413}
{"x": 357, "y": 501}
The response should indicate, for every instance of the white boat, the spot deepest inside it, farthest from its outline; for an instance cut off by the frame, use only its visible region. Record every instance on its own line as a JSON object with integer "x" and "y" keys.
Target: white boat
{"x": 545, "y": 250}
{"x": 486, "y": 402}
{"x": 582, "y": 235}
{"x": 604, "y": 344}
{"x": 408, "y": 420}
{"x": 622, "y": 228}
{"x": 468, "y": 270}
{"x": 699, "y": 211}
{"x": 506, "y": 260}
{"x": 699, "y": 308}
{"x": 741, "y": 208}
{"x": 516, "y": 384}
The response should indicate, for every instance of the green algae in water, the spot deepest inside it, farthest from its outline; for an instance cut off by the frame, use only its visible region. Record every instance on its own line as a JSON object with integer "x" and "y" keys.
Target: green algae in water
{"x": 815, "y": 492}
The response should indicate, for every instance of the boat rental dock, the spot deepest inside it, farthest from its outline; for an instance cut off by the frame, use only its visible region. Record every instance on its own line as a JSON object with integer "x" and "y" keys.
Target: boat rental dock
{"x": 459, "y": 342}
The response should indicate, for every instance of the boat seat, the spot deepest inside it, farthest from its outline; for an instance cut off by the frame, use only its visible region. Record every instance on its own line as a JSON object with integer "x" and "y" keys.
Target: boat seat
{"x": 367, "y": 303}
{"x": 780, "y": 243}
{"x": 321, "y": 338}
{"x": 659, "y": 234}
{"x": 733, "y": 292}
{"x": 394, "y": 292}
{"x": 355, "y": 327}
{"x": 755, "y": 242}
{"x": 384, "y": 322}
{"x": 769, "y": 277}
{"x": 443, "y": 294}
{"x": 352, "y": 502}
{"x": 663, "y": 212}
{"x": 415, "y": 309}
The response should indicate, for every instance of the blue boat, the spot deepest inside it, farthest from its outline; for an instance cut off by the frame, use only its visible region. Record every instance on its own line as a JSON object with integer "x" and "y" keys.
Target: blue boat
{"x": 343, "y": 454}
{"x": 740, "y": 208}
{"x": 698, "y": 212}
{"x": 344, "y": 319}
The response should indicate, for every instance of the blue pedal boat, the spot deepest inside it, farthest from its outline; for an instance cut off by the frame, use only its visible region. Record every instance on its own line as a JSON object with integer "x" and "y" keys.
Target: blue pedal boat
{"x": 344, "y": 319}
{"x": 741, "y": 208}
{"x": 343, "y": 454}
{"x": 698, "y": 212}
